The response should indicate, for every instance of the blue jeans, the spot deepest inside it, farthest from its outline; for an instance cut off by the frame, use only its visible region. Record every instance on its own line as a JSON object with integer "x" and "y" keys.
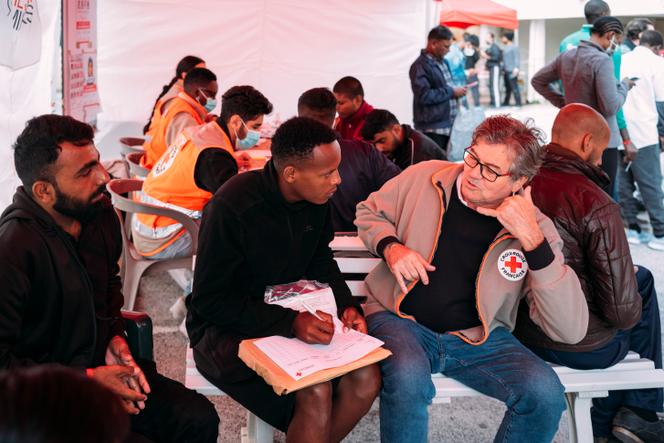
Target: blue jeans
{"x": 501, "y": 368}
{"x": 645, "y": 338}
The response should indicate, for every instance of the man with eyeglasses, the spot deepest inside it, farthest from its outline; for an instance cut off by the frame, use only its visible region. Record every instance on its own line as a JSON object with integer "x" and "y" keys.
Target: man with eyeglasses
{"x": 462, "y": 245}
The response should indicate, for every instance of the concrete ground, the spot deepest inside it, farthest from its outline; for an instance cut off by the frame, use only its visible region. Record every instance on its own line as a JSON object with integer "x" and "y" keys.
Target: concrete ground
{"x": 464, "y": 420}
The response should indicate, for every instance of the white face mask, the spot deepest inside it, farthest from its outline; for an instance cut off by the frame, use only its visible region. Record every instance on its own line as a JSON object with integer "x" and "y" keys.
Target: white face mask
{"x": 612, "y": 46}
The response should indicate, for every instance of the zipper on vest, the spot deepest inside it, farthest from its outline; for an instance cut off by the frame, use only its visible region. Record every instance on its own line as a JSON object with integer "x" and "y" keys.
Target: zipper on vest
{"x": 400, "y": 298}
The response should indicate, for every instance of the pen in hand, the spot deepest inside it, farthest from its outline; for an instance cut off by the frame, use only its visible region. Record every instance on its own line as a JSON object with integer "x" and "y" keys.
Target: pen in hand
{"x": 311, "y": 311}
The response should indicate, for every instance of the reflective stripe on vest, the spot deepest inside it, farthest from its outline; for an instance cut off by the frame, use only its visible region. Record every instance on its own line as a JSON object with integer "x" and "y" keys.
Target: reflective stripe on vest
{"x": 171, "y": 183}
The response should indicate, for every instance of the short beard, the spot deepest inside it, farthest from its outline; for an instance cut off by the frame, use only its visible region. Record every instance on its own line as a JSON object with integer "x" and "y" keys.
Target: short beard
{"x": 83, "y": 211}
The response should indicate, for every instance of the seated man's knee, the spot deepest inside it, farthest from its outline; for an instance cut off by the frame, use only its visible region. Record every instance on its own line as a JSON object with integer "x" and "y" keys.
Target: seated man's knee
{"x": 408, "y": 377}
{"x": 201, "y": 413}
{"x": 541, "y": 391}
{"x": 318, "y": 395}
{"x": 645, "y": 281}
{"x": 366, "y": 382}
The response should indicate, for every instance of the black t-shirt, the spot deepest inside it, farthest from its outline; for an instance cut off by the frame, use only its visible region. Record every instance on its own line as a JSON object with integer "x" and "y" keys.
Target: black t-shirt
{"x": 448, "y": 302}
{"x": 214, "y": 167}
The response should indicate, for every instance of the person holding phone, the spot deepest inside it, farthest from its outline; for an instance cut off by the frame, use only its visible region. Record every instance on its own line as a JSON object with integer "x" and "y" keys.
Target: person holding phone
{"x": 644, "y": 67}
{"x": 588, "y": 77}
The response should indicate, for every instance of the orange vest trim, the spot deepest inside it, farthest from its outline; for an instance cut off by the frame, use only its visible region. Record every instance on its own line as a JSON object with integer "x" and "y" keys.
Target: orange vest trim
{"x": 156, "y": 145}
{"x": 171, "y": 181}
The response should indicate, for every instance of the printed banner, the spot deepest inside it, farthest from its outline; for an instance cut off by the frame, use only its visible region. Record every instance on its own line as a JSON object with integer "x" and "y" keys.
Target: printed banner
{"x": 81, "y": 97}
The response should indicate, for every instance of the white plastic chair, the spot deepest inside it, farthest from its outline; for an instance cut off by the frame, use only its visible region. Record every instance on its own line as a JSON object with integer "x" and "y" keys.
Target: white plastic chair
{"x": 134, "y": 265}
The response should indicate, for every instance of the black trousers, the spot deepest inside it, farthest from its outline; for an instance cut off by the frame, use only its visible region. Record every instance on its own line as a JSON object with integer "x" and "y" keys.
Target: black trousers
{"x": 494, "y": 85}
{"x": 511, "y": 87}
{"x": 645, "y": 338}
{"x": 610, "y": 160}
{"x": 173, "y": 413}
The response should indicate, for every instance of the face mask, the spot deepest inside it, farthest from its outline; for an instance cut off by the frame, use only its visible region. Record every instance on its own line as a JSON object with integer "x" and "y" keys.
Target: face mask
{"x": 612, "y": 46}
{"x": 210, "y": 103}
{"x": 250, "y": 140}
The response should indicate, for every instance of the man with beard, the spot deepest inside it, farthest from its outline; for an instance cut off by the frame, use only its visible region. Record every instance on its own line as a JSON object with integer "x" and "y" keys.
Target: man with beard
{"x": 60, "y": 292}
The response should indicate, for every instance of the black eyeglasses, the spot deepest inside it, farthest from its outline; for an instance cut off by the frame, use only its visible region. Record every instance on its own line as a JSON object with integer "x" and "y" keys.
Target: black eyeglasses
{"x": 486, "y": 172}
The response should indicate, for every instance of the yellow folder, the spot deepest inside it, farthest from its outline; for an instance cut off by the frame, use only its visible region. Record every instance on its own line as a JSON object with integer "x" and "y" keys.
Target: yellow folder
{"x": 282, "y": 383}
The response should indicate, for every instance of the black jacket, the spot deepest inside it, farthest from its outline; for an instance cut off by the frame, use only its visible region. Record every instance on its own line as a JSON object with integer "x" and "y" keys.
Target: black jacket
{"x": 431, "y": 94}
{"x": 60, "y": 299}
{"x": 251, "y": 238}
{"x": 363, "y": 170}
{"x": 495, "y": 55}
{"x": 568, "y": 190}
{"x": 416, "y": 147}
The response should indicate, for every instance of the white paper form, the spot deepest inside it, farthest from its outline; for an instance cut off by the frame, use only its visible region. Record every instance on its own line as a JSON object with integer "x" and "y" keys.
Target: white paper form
{"x": 300, "y": 359}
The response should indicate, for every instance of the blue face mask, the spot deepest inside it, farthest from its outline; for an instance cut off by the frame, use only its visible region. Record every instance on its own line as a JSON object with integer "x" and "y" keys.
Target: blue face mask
{"x": 250, "y": 140}
{"x": 210, "y": 103}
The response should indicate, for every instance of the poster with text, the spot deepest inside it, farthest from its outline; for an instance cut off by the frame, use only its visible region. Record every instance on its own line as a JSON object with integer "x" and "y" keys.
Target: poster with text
{"x": 81, "y": 97}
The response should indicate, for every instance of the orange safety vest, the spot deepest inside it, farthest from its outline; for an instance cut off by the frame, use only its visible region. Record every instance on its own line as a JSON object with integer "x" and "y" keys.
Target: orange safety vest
{"x": 156, "y": 145}
{"x": 159, "y": 109}
{"x": 171, "y": 183}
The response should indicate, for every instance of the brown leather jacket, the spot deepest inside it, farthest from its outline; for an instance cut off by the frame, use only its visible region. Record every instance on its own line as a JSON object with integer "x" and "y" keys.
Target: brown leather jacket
{"x": 567, "y": 189}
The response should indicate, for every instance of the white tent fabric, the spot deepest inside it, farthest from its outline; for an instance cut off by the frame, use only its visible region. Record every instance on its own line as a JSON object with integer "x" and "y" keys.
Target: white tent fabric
{"x": 27, "y": 92}
{"x": 282, "y": 47}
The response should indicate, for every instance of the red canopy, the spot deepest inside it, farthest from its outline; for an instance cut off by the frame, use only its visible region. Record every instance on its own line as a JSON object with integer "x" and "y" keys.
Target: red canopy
{"x": 464, "y": 13}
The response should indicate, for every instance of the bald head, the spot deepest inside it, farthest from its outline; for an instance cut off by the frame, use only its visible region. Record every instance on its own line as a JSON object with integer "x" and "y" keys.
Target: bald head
{"x": 582, "y": 130}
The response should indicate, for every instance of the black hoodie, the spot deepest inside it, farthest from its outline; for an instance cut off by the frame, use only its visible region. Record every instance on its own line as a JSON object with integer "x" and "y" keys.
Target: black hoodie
{"x": 60, "y": 298}
{"x": 251, "y": 237}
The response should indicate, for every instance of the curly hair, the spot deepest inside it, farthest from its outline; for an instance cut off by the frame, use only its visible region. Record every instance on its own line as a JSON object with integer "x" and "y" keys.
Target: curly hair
{"x": 522, "y": 139}
{"x": 245, "y": 101}
{"x": 296, "y": 139}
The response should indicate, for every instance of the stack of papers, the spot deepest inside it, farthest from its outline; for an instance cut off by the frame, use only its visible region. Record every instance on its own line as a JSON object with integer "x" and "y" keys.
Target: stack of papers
{"x": 299, "y": 359}
{"x": 289, "y": 364}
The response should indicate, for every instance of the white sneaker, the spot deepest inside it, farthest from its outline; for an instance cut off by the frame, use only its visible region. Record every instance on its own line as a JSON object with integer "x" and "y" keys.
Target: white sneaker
{"x": 179, "y": 309}
{"x": 656, "y": 243}
{"x": 636, "y": 238}
{"x": 632, "y": 237}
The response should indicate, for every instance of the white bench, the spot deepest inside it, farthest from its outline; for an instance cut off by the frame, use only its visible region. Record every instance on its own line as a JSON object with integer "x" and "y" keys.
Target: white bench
{"x": 580, "y": 386}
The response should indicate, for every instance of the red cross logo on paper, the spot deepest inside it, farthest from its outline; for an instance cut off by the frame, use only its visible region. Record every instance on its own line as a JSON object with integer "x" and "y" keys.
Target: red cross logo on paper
{"x": 512, "y": 265}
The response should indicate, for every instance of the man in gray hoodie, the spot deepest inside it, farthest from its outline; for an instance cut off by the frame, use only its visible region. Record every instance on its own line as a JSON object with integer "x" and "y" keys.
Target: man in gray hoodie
{"x": 587, "y": 76}
{"x": 511, "y": 64}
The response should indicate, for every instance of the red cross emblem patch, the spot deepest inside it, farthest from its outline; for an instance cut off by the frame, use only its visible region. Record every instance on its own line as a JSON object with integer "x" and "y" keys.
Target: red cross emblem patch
{"x": 512, "y": 265}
